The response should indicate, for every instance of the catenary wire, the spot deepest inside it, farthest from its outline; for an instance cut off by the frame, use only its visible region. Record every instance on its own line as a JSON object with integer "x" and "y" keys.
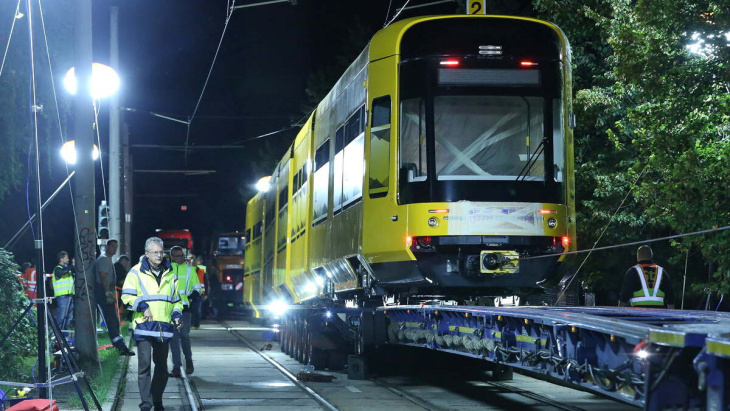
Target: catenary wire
{"x": 10, "y": 36}
{"x": 210, "y": 71}
{"x": 387, "y": 13}
{"x": 397, "y": 14}
{"x": 39, "y": 242}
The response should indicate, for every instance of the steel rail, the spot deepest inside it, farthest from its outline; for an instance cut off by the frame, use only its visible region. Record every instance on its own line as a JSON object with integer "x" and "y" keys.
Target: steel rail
{"x": 421, "y": 402}
{"x": 537, "y": 397}
{"x": 315, "y": 396}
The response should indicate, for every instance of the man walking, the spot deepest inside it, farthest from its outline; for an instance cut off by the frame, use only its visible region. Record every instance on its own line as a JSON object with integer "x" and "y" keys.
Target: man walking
{"x": 106, "y": 280}
{"x": 150, "y": 291}
{"x": 63, "y": 290}
{"x": 646, "y": 284}
{"x": 187, "y": 280}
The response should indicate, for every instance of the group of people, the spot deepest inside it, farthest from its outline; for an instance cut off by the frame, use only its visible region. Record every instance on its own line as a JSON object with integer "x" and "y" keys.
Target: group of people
{"x": 105, "y": 275}
{"x": 164, "y": 295}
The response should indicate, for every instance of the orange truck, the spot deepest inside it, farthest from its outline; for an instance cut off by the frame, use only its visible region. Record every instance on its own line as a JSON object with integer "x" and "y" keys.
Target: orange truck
{"x": 228, "y": 263}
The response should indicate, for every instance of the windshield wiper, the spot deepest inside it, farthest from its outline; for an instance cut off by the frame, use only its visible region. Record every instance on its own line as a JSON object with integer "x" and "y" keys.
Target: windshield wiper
{"x": 535, "y": 155}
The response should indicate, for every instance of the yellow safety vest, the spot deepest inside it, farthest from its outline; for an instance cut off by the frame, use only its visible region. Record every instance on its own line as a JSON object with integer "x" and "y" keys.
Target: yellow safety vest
{"x": 163, "y": 300}
{"x": 63, "y": 285}
{"x": 648, "y": 296}
{"x": 187, "y": 279}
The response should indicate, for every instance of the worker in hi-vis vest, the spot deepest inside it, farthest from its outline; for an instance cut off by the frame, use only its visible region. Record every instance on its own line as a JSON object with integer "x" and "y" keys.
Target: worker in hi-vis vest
{"x": 646, "y": 284}
{"x": 151, "y": 292}
{"x": 189, "y": 288}
{"x": 64, "y": 291}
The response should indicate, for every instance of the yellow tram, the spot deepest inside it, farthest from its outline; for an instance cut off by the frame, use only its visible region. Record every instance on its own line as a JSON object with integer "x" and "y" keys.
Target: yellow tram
{"x": 441, "y": 163}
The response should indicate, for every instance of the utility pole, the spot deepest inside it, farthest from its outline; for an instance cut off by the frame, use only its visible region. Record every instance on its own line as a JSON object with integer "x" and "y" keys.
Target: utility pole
{"x": 128, "y": 190}
{"x": 84, "y": 198}
{"x": 115, "y": 170}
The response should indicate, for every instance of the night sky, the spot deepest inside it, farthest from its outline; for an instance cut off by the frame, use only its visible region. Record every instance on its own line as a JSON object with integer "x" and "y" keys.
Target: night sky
{"x": 257, "y": 86}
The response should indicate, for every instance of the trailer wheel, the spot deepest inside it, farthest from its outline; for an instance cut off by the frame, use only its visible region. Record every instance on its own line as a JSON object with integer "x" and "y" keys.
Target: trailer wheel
{"x": 289, "y": 343}
{"x": 337, "y": 360}
{"x": 299, "y": 341}
{"x": 283, "y": 336}
{"x": 317, "y": 357}
{"x": 306, "y": 346}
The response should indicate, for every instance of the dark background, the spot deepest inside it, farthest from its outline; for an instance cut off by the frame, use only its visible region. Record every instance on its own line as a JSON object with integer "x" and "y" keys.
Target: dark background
{"x": 274, "y": 64}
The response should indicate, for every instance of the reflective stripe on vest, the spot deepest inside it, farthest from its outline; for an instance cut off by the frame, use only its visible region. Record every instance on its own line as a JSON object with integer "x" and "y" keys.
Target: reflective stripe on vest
{"x": 63, "y": 285}
{"x": 650, "y": 296}
{"x": 145, "y": 297}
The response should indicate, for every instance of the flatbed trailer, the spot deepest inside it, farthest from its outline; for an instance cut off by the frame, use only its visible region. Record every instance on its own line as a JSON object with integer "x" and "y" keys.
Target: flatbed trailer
{"x": 655, "y": 359}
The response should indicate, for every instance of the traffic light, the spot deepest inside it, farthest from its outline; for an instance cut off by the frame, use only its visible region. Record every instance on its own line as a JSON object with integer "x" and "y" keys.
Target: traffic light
{"x": 102, "y": 231}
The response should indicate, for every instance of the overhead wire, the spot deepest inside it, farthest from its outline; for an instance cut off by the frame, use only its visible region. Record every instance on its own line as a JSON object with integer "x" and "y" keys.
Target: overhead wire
{"x": 397, "y": 14}
{"x": 210, "y": 71}
{"x": 16, "y": 16}
{"x": 39, "y": 243}
{"x": 387, "y": 13}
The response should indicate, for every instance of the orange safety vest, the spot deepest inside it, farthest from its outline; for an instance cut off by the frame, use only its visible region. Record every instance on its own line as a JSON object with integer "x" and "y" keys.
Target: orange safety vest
{"x": 29, "y": 282}
{"x": 201, "y": 277}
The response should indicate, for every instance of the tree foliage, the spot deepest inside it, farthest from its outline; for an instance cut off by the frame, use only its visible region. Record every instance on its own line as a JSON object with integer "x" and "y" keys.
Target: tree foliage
{"x": 22, "y": 341}
{"x": 653, "y": 138}
{"x": 16, "y": 119}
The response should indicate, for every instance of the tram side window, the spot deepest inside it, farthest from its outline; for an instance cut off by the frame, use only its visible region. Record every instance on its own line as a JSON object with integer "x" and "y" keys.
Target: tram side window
{"x": 339, "y": 163}
{"x": 378, "y": 180}
{"x": 354, "y": 158}
{"x": 413, "y": 140}
{"x": 321, "y": 182}
{"x": 283, "y": 206}
{"x": 257, "y": 230}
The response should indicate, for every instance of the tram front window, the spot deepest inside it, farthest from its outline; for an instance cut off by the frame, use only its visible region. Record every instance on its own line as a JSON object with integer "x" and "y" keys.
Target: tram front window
{"x": 477, "y": 138}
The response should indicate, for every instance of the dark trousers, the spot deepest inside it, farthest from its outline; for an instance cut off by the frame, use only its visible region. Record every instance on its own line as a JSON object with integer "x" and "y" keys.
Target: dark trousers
{"x": 196, "y": 309}
{"x": 181, "y": 339}
{"x": 151, "y": 389}
{"x": 109, "y": 311}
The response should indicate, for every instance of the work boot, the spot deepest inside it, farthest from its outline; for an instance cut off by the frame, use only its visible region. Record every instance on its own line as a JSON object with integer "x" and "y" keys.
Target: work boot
{"x": 159, "y": 407}
{"x": 122, "y": 348}
{"x": 126, "y": 351}
{"x": 189, "y": 366}
{"x": 176, "y": 373}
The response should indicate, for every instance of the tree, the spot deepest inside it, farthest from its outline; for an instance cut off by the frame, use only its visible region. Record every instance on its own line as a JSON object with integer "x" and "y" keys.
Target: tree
{"x": 652, "y": 137}
{"x": 16, "y": 102}
{"x": 22, "y": 342}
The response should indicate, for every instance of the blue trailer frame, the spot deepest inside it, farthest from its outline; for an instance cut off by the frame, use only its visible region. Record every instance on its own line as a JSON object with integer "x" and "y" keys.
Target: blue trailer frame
{"x": 652, "y": 358}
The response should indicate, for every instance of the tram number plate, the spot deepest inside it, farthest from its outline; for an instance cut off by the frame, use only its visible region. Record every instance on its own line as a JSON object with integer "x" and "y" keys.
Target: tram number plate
{"x": 227, "y": 286}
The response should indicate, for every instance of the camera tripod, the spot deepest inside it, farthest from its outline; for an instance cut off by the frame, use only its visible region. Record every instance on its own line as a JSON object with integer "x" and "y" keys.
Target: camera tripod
{"x": 74, "y": 370}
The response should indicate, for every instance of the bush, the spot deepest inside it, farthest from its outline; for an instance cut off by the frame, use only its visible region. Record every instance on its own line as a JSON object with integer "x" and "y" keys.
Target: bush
{"x": 22, "y": 342}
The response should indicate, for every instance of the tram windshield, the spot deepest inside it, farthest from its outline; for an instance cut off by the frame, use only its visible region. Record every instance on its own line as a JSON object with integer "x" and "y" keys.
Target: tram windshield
{"x": 477, "y": 138}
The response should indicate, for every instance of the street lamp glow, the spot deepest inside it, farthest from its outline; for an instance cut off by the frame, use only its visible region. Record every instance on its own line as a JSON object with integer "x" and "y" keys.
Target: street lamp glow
{"x": 263, "y": 184}
{"x": 68, "y": 152}
{"x": 104, "y": 81}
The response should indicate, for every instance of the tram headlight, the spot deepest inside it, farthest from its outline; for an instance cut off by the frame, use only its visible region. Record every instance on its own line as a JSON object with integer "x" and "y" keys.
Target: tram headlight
{"x": 552, "y": 223}
{"x": 433, "y": 222}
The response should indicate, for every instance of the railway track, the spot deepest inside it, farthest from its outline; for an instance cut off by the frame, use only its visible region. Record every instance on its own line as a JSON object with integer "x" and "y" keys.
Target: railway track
{"x": 409, "y": 391}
